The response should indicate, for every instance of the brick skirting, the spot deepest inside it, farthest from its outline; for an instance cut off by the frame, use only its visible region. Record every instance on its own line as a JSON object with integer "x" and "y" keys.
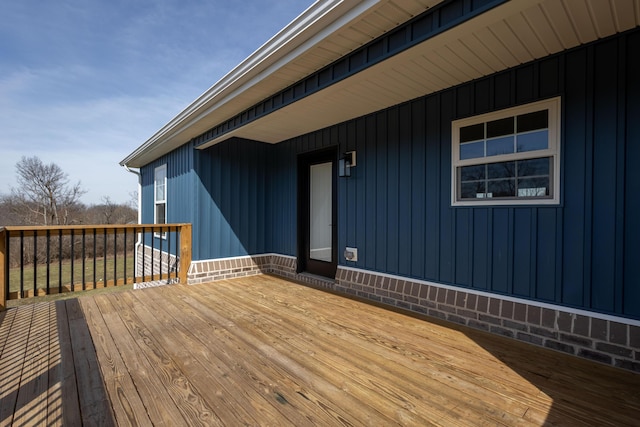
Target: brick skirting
{"x": 150, "y": 261}
{"x": 605, "y": 339}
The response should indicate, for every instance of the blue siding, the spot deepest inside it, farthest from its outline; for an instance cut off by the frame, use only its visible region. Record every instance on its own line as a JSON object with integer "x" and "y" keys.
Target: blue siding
{"x": 631, "y": 232}
{"x": 232, "y": 199}
{"x": 396, "y": 207}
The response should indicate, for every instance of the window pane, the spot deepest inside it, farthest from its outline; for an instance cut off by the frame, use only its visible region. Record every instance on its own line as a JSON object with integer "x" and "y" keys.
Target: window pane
{"x": 533, "y": 121}
{"x": 472, "y": 150}
{"x": 472, "y": 190}
{"x": 472, "y": 133}
{"x": 500, "y": 127}
{"x": 159, "y": 192}
{"x": 502, "y": 188}
{"x": 161, "y": 217}
{"x": 534, "y": 167}
{"x": 501, "y": 170}
{"x": 472, "y": 173}
{"x": 533, "y": 187}
{"x": 498, "y": 146}
{"x": 533, "y": 141}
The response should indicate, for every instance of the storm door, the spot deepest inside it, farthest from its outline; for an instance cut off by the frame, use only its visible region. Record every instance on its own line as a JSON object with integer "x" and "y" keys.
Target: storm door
{"x": 317, "y": 225}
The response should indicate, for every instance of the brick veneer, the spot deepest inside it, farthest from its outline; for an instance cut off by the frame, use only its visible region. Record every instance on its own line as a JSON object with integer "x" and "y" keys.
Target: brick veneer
{"x": 151, "y": 261}
{"x": 229, "y": 268}
{"x": 605, "y": 339}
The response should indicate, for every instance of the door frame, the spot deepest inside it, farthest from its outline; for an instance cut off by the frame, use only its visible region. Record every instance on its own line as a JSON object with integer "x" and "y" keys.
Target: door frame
{"x": 305, "y": 263}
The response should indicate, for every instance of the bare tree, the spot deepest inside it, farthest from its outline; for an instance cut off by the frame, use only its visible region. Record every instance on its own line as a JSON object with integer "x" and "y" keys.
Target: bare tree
{"x": 108, "y": 210}
{"x": 44, "y": 192}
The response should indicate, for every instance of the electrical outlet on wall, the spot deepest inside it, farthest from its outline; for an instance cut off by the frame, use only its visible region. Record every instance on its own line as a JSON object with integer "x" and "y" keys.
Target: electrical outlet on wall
{"x": 351, "y": 254}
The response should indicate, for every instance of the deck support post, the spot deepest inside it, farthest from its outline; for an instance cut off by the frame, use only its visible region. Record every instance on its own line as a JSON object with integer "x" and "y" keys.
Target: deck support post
{"x": 185, "y": 253}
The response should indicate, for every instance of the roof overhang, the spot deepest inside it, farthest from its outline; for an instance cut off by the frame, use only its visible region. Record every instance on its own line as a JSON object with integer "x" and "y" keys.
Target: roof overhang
{"x": 513, "y": 33}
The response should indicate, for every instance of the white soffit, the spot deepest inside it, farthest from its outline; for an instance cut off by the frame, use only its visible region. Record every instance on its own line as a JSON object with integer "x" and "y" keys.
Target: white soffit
{"x": 508, "y": 35}
{"x": 514, "y": 33}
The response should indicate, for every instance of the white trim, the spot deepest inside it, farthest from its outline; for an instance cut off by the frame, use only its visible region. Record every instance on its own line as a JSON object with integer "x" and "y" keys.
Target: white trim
{"x": 563, "y": 308}
{"x": 553, "y": 105}
{"x": 243, "y": 257}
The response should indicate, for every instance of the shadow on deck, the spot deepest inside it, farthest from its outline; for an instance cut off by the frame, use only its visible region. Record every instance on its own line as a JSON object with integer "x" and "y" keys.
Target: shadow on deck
{"x": 264, "y": 351}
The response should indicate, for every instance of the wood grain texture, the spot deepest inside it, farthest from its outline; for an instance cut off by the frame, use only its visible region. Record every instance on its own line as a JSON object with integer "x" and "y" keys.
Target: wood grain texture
{"x": 265, "y": 351}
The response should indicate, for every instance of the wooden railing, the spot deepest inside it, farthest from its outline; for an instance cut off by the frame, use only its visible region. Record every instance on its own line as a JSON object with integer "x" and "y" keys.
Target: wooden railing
{"x": 36, "y": 261}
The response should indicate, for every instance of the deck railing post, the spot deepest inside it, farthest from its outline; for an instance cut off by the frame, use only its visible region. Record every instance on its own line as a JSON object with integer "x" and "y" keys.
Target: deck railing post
{"x": 185, "y": 252}
{"x": 4, "y": 270}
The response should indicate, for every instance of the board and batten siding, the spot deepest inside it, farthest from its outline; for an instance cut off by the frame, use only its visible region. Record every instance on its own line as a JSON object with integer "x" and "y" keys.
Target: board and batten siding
{"x": 396, "y": 207}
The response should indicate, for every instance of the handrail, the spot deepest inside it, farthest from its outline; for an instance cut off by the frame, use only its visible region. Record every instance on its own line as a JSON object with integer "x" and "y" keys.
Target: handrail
{"x": 154, "y": 245}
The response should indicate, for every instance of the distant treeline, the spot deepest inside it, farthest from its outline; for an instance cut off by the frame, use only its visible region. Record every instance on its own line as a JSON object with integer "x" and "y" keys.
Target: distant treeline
{"x": 13, "y": 212}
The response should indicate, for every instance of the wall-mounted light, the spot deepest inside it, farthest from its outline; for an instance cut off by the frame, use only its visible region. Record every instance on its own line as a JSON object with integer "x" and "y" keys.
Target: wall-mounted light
{"x": 345, "y": 163}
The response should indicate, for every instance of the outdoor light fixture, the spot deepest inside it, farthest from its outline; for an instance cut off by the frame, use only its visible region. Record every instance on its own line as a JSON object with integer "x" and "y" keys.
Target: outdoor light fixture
{"x": 346, "y": 162}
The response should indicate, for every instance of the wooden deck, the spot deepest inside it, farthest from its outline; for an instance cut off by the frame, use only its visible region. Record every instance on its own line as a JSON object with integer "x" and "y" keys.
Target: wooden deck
{"x": 264, "y": 351}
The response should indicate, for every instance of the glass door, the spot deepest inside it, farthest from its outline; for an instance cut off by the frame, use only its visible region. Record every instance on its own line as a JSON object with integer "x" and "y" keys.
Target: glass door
{"x": 320, "y": 207}
{"x": 317, "y": 213}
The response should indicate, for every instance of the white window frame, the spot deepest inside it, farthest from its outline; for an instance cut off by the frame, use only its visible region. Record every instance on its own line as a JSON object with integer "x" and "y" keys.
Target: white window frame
{"x": 553, "y": 151}
{"x": 156, "y": 201}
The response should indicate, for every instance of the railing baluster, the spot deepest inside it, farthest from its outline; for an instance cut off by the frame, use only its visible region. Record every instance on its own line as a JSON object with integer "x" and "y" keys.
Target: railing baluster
{"x": 21, "y": 264}
{"x": 124, "y": 266}
{"x": 48, "y": 259}
{"x": 115, "y": 258}
{"x": 160, "y": 243}
{"x": 60, "y": 261}
{"x": 84, "y": 255}
{"x": 73, "y": 241}
{"x": 144, "y": 256}
{"x": 178, "y": 252}
{"x": 104, "y": 260}
{"x": 35, "y": 263}
{"x": 7, "y": 264}
{"x": 169, "y": 254}
{"x": 153, "y": 247}
{"x": 95, "y": 235}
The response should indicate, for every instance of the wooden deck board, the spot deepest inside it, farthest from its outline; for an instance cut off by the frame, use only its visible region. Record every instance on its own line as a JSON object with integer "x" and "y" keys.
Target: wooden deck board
{"x": 264, "y": 351}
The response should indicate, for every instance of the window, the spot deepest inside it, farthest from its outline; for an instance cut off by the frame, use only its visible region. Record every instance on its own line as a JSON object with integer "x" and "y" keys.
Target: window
{"x": 160, "y": 195}
{"x": 507, "y": 157}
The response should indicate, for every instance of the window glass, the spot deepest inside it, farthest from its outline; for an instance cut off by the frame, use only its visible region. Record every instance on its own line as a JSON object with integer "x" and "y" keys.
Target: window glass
{"x": 160, "y": 192}
{"x": 473, "y": 190}
{"x": 538, "y": 140}
{"x": 160, "y": 178}
{"x": 533, "y": 121}
{"x": 472, "y": 133}
{"x": 534, "y": 167}
{"x": 501, "y": 170}
{"x": 499, "y": 146}
{"x": 160, "y": 196}
{"x": 472, "y": 150}
{"x": 161, "y": 214}
{"x": 502, "y": 188}
{"x": 500, "y": 127}
{"x": 533, "y": 187}
{"x": 473, "y": 173}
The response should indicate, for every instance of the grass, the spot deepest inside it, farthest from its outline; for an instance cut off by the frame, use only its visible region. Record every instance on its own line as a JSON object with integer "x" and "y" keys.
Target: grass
{"x": 112, "y": 266}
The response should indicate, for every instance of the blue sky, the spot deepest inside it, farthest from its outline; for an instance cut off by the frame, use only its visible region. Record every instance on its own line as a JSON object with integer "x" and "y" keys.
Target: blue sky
{"x": 85, "y": 82}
